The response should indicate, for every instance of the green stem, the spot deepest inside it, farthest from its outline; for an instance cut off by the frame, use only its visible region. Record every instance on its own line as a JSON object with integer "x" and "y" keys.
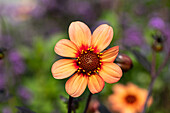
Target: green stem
{"x": 88, "y": 101}
{"x": 69, "y": 104}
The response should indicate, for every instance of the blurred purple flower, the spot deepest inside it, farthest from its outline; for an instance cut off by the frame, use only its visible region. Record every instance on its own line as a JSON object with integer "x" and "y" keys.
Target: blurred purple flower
{"x": 16, "y": 62}
{"x": 107, "y": 4}
{"x": 2, "y": 77}
{"x": 49, "y": 3}
{"x": 17, "y": 12}
{"x": 157, "y": 23}
{"x": 83, "y": 10}
{"x": 140, "y": 8}
{"x": 166, "y": 32}
{"x": 6, "y": 110}
{"x": 124, "y": 22}
{"x": 6, "y": 41}
{"x": 133, "y": 37}
{"x": 54, "y": 6}
{"x": 2, "y": 82}
{"x": 38, "y": 11}
{"x": 24, "y": 93}
{"x": 7, "y": 9}
{"x": 80, "y": 8}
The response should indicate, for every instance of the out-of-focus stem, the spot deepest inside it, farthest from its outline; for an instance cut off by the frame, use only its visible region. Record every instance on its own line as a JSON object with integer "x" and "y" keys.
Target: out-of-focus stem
{"x": 164, "y": 63}
{"x": 69, "y": 104}
{"x": 88, "y": 101}
{"x": 153, "y": 65}
{"x": 154, "y": 75}
{"x": 149, "y": 94}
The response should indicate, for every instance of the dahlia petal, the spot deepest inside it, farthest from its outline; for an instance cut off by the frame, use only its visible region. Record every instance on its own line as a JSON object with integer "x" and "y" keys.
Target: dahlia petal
{"x": 63, "y": 68}
{"x": 95, "y": 83}
{"x": 76, "y": 85}
{"x": 142, "y": 95}
{"x": 102, "y": 37}
{"x": 116, "y": 102}
{"x": 132, "y": 88}
{"x": 110, "y": 72}
{"x": 128, "y": 110}
{"x": 119, "y": 89}
{"x": 110, "y": 54}
{"x": 80, "y": 34}
{"x": 66, "y": 48}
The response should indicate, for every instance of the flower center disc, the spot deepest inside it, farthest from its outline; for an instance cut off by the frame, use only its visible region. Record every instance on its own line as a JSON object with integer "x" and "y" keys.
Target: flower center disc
{"x": 89, "y": 61}
{"x": 130, "y": 99}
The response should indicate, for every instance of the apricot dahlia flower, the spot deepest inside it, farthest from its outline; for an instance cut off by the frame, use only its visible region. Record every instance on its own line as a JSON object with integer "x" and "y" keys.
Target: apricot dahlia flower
{"x": 89, "y": 66}
{"x": 128, "y": 99}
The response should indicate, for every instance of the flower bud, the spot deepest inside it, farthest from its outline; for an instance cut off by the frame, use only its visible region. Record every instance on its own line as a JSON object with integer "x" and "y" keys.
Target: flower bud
{"x": 157, "y": 46}
{"x": 2, "y": 53}
{"x": 158, "y": 43}
{"x": 124, "y": 62}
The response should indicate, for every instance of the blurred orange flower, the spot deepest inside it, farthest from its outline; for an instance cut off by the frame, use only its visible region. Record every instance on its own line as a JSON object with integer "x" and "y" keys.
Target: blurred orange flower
{"x": 128, "y": 99}
{"x": 90, "y": 66}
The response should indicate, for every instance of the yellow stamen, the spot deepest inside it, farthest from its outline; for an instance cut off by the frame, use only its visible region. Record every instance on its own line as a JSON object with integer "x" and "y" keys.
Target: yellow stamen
{"x": 79, "y": 62}
{"x": 84, "y": 71}
{"x": 82, "y": 51}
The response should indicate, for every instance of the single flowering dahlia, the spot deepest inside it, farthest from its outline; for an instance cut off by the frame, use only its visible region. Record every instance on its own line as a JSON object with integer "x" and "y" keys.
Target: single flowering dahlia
{"x": 91, "y": 67}
{"x": 128, "y": 99}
